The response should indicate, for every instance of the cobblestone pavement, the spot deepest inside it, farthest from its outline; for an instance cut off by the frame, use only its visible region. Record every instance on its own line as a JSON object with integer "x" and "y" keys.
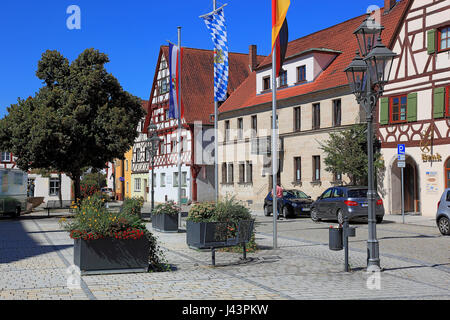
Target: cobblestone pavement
{"x": 36, "y": 256}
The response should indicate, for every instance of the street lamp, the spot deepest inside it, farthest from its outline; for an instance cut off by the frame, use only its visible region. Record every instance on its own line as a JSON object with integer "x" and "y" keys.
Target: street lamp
{"x": 153, "y": 143}
{"x": 367, "y": 76}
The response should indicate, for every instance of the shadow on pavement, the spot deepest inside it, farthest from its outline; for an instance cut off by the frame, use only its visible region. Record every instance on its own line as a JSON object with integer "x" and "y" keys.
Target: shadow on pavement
{"x": 418, "y": 267}
{"x": 16, "y": 243}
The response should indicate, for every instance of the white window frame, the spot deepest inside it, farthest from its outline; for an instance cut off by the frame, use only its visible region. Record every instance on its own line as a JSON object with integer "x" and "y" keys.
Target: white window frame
{"x": 6, "y": 157}
{"x": 53, "y": 180}
{"x": 137, "y": 184}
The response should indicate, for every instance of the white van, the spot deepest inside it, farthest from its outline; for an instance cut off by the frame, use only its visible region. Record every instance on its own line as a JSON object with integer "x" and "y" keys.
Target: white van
{"x": 13, "y": 191}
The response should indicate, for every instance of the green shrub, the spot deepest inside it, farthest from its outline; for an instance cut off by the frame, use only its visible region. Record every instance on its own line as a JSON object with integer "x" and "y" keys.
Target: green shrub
{"x": 231, "y": 210}
{"x": 202, "y": 212}
{"x": 93, "y": 221}
{"x": 168, "y": 208}
{"x": 133, "y": 205}
{"x": 227, "y": 210}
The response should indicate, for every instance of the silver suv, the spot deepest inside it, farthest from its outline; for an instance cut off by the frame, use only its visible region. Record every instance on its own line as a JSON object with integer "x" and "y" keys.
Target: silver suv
{"x": 443, "y": 213}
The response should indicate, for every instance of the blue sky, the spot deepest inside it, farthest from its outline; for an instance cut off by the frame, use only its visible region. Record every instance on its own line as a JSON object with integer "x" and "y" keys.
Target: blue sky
{"x": 131, "y": 32}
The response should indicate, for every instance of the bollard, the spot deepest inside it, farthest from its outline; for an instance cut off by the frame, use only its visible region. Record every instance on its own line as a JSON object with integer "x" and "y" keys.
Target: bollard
{"x": 213, "y": 256}
{"x": 348, "y": 232}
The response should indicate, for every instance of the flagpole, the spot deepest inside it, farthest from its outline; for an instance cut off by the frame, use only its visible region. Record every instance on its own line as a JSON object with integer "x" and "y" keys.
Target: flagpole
{"x": 274, "y": 146}
{"x": 216, "y": 140}
{"x": 179, "y": 126}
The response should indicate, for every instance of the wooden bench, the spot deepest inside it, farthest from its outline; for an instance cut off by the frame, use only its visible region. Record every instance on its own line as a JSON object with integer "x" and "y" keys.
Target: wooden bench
{"x": 218, "y": 236}
{"x": 56, "y": 204}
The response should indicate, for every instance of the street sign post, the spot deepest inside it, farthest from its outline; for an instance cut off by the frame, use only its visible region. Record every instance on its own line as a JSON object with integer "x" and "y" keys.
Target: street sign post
{"x": 401, "y": 151}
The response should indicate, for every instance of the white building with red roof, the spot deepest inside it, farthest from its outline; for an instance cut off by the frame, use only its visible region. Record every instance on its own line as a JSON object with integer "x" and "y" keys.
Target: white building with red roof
{"x": 313, "y": 100}
{"x": 197, "y": 92}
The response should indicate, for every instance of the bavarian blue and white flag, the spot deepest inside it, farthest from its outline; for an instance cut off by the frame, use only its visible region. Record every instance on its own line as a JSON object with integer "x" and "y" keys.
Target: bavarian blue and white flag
{"x": 218, "y": 29}
{"x": 175, "y": 110}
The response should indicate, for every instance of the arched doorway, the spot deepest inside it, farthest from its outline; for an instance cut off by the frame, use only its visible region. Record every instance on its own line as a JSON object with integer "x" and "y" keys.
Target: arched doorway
{"x": 410, "y": 187}
{"x": 447, "y": 173}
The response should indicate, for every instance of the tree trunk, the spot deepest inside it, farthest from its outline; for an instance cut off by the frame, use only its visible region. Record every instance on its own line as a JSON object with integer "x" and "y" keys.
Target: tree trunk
{"x": 77, "y": 186}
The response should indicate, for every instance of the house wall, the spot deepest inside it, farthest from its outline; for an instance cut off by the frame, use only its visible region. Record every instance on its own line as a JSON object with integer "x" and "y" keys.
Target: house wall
{"x": 140, "y": 189}
{"x": 42, "y": 187}
{"x": 304, "y": 143}
{"x": 128, "y": 166}
{"x": 168, "y": 191}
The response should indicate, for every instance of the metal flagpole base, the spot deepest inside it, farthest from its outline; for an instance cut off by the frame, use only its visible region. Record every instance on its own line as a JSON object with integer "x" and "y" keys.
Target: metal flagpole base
{"x": 373, "y": 264}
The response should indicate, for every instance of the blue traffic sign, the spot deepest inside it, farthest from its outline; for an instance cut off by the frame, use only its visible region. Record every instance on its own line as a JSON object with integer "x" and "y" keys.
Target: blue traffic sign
{"x": 401, "y": 149}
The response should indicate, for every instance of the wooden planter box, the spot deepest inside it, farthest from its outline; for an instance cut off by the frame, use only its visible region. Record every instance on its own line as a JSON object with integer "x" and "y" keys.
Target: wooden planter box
{"x": 165, "y": 222}
{"x": 112, "y": 255}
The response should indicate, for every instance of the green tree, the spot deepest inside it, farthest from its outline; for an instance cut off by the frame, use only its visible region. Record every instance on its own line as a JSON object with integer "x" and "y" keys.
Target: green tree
{"x": 346, "y": 153}
{"x": 80, "y": 118}
{"x": 95, "y": 177}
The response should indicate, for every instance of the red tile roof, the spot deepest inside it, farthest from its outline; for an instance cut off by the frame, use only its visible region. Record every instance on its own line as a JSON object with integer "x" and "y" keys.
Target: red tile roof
{"x": 197, "y": 83}
{"x": 338, "y": 38}
{"x": 145, "y": 106}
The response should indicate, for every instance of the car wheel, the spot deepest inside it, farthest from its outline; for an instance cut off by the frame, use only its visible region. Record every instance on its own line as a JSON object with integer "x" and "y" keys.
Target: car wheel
{"x": 314, "y": 216}
{"x": 266, "y": 211}
{"x": 340, "y": 217}
{"x": 286, "y": 212}
{"x": 444, "y": 226}
{"x": 379, "y": 219}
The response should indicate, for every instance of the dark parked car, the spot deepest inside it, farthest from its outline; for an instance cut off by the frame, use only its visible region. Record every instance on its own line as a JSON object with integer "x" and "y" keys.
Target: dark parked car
{"x": 337, "y": 202}
{"x": 443, "y": 213}
{"x": 293, "y": 203}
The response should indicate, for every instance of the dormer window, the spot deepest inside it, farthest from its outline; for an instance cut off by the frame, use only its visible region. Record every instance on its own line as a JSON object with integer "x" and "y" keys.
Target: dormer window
{"x": 283, "y": 78}
{"x": 301, "y": 74}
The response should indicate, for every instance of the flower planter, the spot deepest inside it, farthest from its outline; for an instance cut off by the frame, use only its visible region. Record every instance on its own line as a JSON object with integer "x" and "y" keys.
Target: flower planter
{"x": 165, "y": 222}
{"x": 110, "y": 255}
{"x": 195, "y": 234}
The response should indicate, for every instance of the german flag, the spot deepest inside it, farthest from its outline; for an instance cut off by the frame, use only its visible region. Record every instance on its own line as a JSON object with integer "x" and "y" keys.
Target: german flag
{"x": 280, "y": 33}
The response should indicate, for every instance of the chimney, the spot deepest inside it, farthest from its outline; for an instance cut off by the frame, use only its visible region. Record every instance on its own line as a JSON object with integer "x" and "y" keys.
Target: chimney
{"x": 389, "y": 4}
{"x": 252, "y": 61}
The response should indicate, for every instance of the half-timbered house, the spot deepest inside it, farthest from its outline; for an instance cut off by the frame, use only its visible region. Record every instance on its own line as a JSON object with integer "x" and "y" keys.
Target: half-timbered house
{"x": 415, "y": 111}
{"x": 140, "y": 161}
{"x": 197, "y": 92}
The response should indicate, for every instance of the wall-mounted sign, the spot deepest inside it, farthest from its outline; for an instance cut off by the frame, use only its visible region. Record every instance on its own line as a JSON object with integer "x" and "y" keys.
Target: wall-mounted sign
{"x": 431, "y": 180}
{"x": 431, "y": 157}
{"x": 401, "y": 149}
{"x": 426, "y": 143}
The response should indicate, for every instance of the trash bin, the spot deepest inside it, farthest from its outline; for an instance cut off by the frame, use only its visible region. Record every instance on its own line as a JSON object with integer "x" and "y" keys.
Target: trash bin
{"x": 336, "y": 239}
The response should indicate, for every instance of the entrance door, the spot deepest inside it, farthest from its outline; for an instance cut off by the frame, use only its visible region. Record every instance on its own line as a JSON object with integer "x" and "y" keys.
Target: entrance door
{"x": 410, "y": 187}
{"x": 145, "y": 190}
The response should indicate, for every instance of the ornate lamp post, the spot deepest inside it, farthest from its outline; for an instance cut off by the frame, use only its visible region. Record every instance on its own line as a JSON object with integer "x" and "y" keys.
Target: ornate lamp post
{"x": 367, "y": 76}
{"x": 153, "y": 142}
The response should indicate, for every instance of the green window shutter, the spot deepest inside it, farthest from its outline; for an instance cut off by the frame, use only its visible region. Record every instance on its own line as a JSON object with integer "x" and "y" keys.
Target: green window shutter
{"x": 431, "y": 34}
{"x": 384, "y": 111}
{"x": 439, "y": 103}
{"x": 412, "y": 107}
